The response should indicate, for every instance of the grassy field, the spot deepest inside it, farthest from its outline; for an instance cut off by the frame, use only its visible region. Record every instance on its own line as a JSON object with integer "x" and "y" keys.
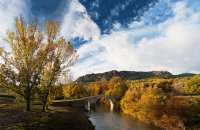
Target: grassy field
{"x": 13, "y": 117}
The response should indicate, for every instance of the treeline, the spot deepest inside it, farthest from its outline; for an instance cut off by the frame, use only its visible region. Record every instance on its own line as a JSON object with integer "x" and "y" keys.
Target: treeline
{"x": 158, "y": 101}
{"x": 115, "y": 87}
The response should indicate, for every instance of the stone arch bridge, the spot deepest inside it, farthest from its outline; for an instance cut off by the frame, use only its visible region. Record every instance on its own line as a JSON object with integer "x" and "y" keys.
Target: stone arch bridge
{"x": 88, "y": 102}
{"x": 91, "y": 101}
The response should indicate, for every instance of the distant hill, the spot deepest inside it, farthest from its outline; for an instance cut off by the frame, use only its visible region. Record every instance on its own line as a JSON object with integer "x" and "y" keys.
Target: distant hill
{"x": 185, "y": 75}
{"x": 129, "y": 75}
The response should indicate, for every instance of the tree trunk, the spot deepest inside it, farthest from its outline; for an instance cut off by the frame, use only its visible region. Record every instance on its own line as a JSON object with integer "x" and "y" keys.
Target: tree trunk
{"x": 45, "y": 101}
{"x": 47, "y": 107}
{"x": 28, "y": 102}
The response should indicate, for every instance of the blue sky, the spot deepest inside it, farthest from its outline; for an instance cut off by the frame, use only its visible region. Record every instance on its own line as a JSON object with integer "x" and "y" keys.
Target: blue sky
{"x": 139, "y": 35}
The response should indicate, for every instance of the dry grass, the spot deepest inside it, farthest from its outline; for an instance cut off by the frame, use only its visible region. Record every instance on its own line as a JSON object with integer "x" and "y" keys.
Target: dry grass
{"x": 14, "y": 116}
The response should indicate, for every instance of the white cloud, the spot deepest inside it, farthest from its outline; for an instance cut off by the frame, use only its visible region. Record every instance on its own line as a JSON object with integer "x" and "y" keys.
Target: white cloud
{"x": 8, "y": 10}
{"x": 77, "y": 23}
{"x": 171, "y": 45}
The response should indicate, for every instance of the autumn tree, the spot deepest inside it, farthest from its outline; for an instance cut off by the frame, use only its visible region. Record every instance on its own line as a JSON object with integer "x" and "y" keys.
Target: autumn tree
{"x": 192, "y": 85}
{"x": 32, "y": 58}
{"x": 116, "y": 87}
{"x": 69, "y": 91}
{"x": 60, "y": 59}
{"x": 74, "y": 91}
{"x": 103, "y": 84}
{"x": 94, "y": 89}
{"x": 80, "y": 91}
{"x": 23, "y": 64}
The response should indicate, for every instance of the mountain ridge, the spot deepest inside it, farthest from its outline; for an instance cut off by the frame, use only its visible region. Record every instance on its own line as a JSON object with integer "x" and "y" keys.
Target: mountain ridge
{"x": 129, "y": 75}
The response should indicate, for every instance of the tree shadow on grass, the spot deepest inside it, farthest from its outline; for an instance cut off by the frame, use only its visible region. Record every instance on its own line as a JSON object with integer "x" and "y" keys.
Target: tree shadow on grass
{"x": 53, "y": 119}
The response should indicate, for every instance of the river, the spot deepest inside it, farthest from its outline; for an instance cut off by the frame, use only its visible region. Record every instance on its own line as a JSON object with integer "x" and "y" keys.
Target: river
{"x": 105, "y": 119}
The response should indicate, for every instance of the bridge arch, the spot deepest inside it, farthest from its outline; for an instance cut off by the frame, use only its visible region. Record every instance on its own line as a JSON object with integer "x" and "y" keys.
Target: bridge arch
{"x": 91, "y": 101}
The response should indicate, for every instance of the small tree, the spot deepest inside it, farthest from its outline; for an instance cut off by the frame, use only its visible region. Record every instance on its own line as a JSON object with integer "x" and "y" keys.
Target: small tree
{"x": 74, "y": 91}
{"x": 69, "y": 91}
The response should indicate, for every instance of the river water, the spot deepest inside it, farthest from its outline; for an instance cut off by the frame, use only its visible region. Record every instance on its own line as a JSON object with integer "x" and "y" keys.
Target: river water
{"x": 105, "y": 119}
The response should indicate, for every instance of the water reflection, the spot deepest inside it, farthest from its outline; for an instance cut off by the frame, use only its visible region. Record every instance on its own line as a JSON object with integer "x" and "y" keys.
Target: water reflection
{"x": 104, "y": 119}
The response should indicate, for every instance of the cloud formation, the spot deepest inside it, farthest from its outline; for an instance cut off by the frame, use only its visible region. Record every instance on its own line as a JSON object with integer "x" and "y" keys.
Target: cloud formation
{"x": 8, "y": 10}
{"x": 77, "y": 23}
{"x": 171, "y": 44}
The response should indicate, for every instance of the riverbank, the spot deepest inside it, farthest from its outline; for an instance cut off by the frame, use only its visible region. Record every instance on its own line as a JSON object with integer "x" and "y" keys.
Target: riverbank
{"x": 14, "y": 116}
